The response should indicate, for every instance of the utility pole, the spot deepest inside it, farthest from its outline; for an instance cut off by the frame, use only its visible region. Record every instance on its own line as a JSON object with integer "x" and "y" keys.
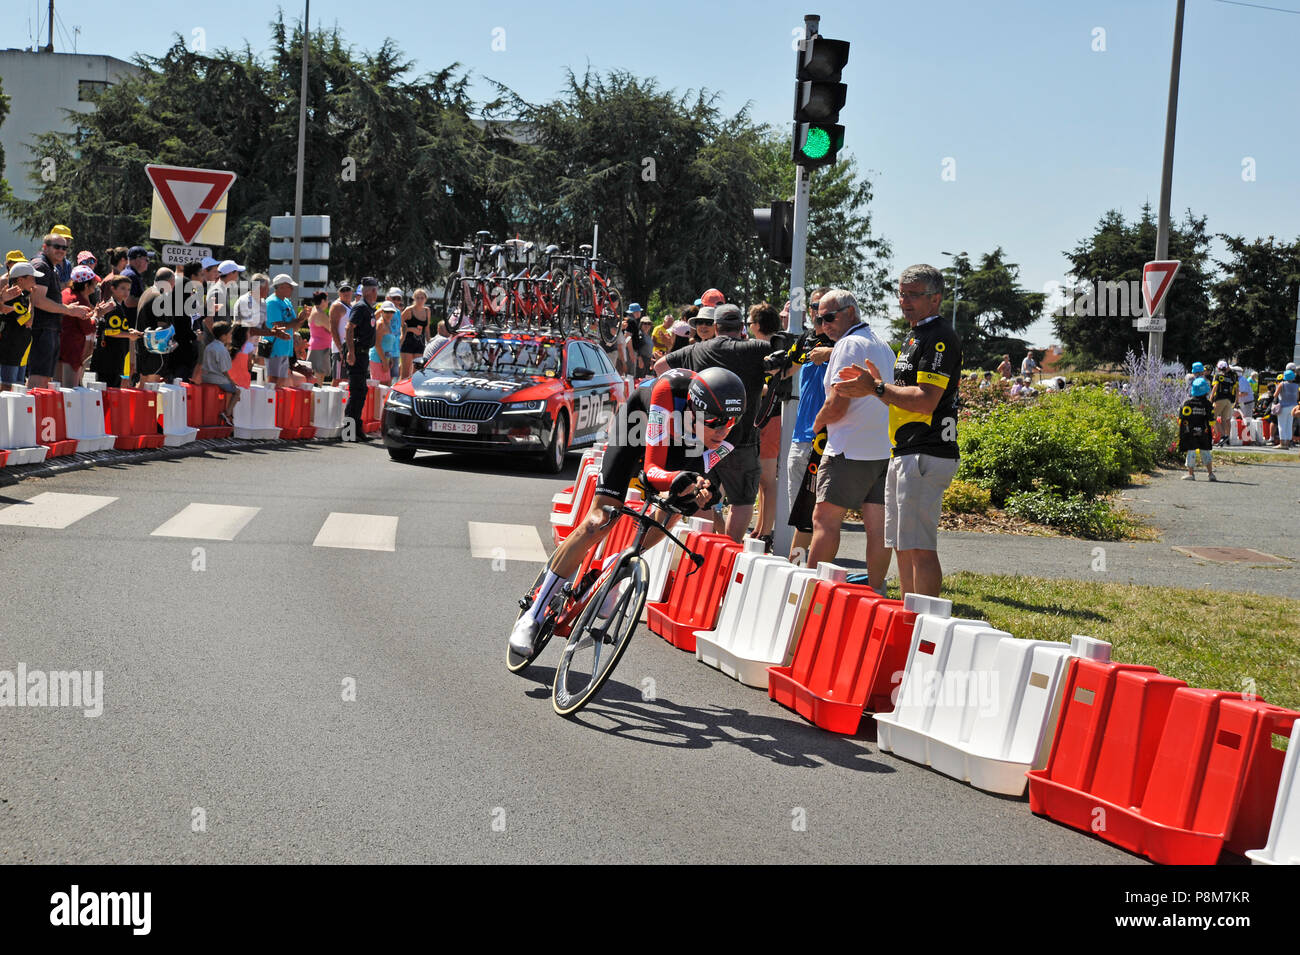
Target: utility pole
{"x": 302, "y": 144}
{"x": 1156, "y": 340}
{"x": 782, "y": 532}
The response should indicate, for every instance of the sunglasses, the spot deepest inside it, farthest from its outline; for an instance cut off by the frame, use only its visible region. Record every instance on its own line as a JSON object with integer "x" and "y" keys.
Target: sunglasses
{"x": 719, "y": 424}
{"x": 55, "y": 245}
{"x": 703, "y": 321}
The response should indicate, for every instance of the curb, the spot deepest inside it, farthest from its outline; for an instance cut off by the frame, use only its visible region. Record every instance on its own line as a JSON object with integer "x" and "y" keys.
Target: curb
{"x": 10, "y": 476}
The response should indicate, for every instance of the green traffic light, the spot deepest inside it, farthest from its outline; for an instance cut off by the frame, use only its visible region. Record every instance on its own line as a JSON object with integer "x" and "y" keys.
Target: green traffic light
{"x": 817, "y": 143}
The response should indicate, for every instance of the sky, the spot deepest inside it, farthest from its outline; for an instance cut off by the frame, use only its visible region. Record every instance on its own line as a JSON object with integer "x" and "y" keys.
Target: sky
{"x": 1044, "y": 113}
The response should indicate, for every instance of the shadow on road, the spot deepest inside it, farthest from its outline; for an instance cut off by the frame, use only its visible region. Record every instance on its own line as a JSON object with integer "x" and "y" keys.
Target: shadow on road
{"x": 620, "y": 710}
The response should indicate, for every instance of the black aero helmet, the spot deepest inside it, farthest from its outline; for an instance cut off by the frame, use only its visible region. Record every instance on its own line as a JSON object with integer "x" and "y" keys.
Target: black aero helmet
{"x": 718, "y": 394}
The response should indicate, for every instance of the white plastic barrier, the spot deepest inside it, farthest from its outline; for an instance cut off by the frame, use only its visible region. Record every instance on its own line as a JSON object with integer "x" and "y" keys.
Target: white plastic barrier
{"x": 18, "y": 428}
{"x": 1283, "y": 846}
{"x": 566, "y": 520}
{"x": 173, "y": 414}
{"x": 563, "y": 501}
{"x": 978, "y": 704}
{"x": 750, "y": 611}
{"x": 255, "y": 413}
{"x": 83, "y": 416}
{"x": 1257, "y": 430}
{"x": 88, "y": 380}
{"x": 327, "y": 411}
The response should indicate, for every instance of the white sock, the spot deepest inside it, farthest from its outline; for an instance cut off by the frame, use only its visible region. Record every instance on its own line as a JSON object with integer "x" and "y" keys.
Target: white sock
{"x": 550, "y": 584}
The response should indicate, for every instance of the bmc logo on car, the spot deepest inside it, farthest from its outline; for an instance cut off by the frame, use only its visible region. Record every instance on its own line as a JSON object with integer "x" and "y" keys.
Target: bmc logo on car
{"x": 591, "y": 411}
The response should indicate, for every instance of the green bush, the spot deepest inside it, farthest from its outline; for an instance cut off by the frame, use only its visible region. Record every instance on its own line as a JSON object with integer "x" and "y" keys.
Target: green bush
{"x": 1081, "y": 441}
{"x": 1090, "y": 517}
{"x": 963, "y": 497}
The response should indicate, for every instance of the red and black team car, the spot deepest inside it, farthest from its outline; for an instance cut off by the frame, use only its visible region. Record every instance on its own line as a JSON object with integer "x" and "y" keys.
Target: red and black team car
{"x": 534, "y": 395}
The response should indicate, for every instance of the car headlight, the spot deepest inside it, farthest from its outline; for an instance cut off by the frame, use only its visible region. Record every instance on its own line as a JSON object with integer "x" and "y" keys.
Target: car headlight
{"x": 524, "y": 407}
{"x": 399, "y": 402}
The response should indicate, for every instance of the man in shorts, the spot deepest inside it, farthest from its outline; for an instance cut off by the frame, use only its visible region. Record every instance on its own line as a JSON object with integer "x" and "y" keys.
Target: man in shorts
{"x": 852, "y": 470}
{"x": 280, "y": 317}
{"x": 922, "y": 426}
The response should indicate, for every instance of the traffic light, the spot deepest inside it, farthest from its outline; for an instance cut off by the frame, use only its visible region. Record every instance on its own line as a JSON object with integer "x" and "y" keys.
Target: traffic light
{"x": 774, "y": 227}
{"x": 818, "y": 98}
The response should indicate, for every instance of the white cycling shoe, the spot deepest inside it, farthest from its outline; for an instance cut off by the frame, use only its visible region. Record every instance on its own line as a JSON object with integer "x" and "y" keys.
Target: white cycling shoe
{"x": 524, "y": 636}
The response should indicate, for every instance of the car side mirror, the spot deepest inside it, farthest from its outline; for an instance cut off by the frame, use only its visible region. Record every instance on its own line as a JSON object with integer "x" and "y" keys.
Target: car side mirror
{"x": 582, "y": 374}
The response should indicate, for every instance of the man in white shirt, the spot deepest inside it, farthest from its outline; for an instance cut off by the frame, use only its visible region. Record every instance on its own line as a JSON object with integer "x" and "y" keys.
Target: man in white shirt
{"x": 856, "y": 458}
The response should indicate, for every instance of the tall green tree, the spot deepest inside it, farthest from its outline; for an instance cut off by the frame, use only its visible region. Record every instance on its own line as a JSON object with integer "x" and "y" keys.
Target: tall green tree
{"x": 1116, "y": 252}
{"x": 1255, "y": 302}
{"x": 990, "y": 311}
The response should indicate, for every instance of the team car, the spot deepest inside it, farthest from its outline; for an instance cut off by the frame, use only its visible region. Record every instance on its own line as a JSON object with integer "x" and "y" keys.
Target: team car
{"x": 508, "y": 393}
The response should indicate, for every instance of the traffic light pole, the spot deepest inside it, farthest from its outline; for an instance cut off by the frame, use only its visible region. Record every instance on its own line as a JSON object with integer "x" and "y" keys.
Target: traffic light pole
{"x": 782, "y": 532}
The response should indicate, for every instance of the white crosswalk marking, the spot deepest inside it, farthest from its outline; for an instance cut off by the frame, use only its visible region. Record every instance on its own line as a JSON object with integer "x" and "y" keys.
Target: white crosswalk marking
{"x": 52, "y": 510}
{"x": 210, "y": 522}
{"x": 358, "y": 532}
{"x": 506, "y": 542}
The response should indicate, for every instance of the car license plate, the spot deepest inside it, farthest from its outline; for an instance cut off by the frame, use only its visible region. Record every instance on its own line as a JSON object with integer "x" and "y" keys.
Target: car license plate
{"x": 454, "y": 427}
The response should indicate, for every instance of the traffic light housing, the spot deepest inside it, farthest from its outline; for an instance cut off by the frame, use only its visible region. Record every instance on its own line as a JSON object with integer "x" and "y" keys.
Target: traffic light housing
{"x": 774, "y": 227}
{"x": 818, "y": 98}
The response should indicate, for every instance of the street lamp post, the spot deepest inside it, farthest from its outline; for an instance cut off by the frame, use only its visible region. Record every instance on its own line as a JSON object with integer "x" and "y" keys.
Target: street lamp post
{"x": 956, "y": 286}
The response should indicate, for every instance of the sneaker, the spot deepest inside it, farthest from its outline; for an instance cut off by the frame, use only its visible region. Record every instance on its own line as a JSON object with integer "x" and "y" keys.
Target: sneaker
{"x": 524, "y": 635}
{"x": 1213, "y": 478}
{"x": 1189, "y": 477}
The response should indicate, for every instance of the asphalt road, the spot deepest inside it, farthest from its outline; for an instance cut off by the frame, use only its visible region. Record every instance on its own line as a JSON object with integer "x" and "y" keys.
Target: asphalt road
{"x": 225, "y": 673}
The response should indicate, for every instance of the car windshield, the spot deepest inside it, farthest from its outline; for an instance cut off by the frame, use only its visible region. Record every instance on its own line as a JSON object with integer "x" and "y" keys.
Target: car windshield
{"x": 498, "y": 355}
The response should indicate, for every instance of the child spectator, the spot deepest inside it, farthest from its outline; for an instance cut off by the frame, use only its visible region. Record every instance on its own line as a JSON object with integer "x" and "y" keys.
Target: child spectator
{"x": 216, "y": 367}
{"x": 78, "y": 338}
{"x": 16, "y": 324}
{"x": 111, "y": 360}
{"x": 1195, "y": 435}
{"x": 1264, "y": 412}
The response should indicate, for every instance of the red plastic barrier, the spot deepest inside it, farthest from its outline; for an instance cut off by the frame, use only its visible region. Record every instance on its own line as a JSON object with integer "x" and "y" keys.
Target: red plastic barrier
{"x": 293, "y": 413}
{"x": 849, "y": 644}
{"x": 370, "y": 411}
{"x": 697, "y": 592}
{"x": 49, "y": 409}
{"x": 4, "y": 457}
{"x": 1159, "y": 768}
{"x": 132, "y": 415}
{"x": 203, "y": 407}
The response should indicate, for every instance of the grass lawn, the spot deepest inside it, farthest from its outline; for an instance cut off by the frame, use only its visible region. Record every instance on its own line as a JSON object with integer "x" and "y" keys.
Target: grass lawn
{"x": 1207, "y": 638}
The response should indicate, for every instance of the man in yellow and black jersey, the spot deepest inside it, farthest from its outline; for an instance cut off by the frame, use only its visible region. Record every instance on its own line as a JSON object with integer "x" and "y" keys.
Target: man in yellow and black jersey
{"x": 922, "y": 427}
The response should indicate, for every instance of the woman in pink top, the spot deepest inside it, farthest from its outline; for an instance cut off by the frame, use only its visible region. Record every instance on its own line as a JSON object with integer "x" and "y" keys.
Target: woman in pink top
{"x": 318, "y": 346}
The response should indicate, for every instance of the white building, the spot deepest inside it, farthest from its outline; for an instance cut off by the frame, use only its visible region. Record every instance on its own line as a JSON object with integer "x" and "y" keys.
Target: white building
{"x": 40, "y": 86}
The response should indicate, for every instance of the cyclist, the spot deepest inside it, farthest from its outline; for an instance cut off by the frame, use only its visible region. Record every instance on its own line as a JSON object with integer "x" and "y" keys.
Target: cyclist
{"x": 704, "y": 406}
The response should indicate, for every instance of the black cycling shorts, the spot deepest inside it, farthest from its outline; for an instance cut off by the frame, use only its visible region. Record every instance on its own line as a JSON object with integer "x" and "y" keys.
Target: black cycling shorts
{"x": 622, "y": 463}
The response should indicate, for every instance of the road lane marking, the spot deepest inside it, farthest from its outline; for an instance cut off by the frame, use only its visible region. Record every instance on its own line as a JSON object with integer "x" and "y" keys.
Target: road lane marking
{"x": 506, "y": 542}
{"x": 358, "y": 532}
{"x": 52, "y": 510}
{"x": 209, "y": 522}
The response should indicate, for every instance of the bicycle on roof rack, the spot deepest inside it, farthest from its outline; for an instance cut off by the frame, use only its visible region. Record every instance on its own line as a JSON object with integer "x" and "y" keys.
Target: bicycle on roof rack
{"x": 593, "y": 306}
{"x": 599, "y": 612}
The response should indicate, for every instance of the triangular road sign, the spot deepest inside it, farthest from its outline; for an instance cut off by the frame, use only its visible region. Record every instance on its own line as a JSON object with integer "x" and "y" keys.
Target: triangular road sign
{"x": 1156, "y": 278}
{"x": 189, "y": 195}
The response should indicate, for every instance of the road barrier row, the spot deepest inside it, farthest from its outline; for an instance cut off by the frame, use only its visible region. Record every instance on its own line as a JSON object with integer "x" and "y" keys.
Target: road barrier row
{"x": 41, "y": 423}
{"x": 1138, "y": 759}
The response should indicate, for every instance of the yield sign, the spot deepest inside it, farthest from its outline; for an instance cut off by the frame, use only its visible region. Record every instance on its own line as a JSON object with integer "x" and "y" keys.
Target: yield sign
{"x": 189, "y": 195}
{"x": 1156, "y": 278}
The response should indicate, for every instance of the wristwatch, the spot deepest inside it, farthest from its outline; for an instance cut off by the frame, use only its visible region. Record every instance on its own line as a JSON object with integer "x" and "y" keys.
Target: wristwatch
{"x": 880, "y": 388}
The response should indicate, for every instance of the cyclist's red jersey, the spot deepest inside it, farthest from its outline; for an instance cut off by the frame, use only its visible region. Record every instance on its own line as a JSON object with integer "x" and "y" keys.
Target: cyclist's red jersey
{"x": 649, "y": 432}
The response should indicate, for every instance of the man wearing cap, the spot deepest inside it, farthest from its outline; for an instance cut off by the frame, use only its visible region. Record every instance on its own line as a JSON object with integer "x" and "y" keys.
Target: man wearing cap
{"x": 340, "y": 309}
{"x": 282, "y": 320}
{"x": 64, "y": 268}
{"x": 360, "y": 339}
{"x": 396, "y": 296}
{"x": 739, "y": 470}
{"x": 250, "y": 318}
{"x": 48, "y": 312}
{"x": 712, "y": 298}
